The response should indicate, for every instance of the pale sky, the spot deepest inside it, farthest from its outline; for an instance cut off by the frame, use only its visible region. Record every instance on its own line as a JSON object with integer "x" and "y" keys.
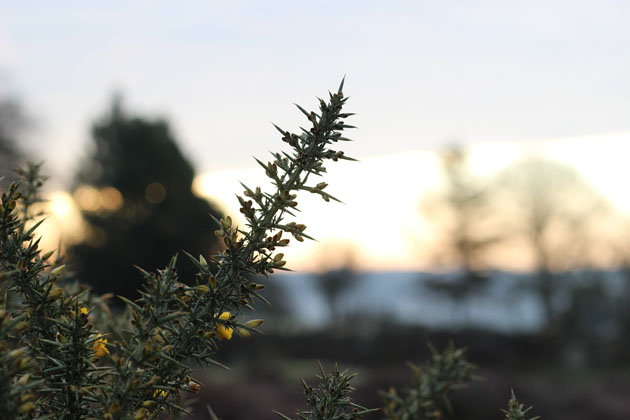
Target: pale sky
{"x": 381, "y": 222}
{"x": 504, "y": 75}
{"x": 420, "y": 73}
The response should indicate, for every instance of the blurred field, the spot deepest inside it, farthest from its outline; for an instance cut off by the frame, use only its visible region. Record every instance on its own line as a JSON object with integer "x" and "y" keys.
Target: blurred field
{"x": 266, "y": 374}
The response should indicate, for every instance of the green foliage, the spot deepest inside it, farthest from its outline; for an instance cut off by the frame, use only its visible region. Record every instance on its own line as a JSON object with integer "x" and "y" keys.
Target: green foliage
{"x": 516, "y": 410}
{"x": 138, "y": 365}
{"x": 431, "y": 384}
{"x": 331, "y": 400}
{"x": 157, "y": 216}
{"x": 62, "y": 354}
{"x": 39, "y": 322}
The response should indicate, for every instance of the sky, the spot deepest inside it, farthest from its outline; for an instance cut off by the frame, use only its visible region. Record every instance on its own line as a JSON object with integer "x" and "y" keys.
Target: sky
{"x": 420, "y": 75}
{"x": 380, "y": 223}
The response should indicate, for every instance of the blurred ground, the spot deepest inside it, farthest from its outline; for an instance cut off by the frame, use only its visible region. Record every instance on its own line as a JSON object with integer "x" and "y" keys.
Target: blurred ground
{"x": 266, "y": 376}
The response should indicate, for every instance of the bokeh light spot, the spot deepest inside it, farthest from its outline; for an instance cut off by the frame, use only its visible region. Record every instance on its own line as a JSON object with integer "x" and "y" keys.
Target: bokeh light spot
{"x": 155, "y": 193}
{"x": 88, "y": 198}
{"x": 111, "y": 199}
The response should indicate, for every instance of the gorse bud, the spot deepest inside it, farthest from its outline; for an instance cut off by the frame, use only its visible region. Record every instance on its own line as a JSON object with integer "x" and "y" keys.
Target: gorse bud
{"x": 47, "y": 255}
{"x": 17, "y": 353}
{"x": 27, "y": 407}
{"x": 277, "y": 260}
{"x": 203, "y": 261}
{"x": 243, "y": 332}
{"x": 57, "y": 271}
{"x": 254, "y": 323}
{"x": 154, "y": 380}
{"x": 256, "y": 286}
{"x": 141, "y": 414}
{"x": 56, "y": 293}
{"x": 226, "y": 223}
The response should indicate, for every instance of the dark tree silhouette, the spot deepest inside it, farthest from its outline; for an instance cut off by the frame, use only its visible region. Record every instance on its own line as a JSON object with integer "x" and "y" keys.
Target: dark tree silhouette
{"x": 335, "y": 281}
{"x": 135, "y": 193}
{"x": 333, "y": 284}
{"x": 13, "y": 122}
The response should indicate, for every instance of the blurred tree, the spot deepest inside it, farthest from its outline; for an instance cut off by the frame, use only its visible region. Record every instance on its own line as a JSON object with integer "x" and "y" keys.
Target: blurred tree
{"x": 13, "y": 122}
{"x": 621, "y": 248}
{"x": 461, "y": 213}
{"x": 333, "y": 283}
{"x": 553, "y": 211}
{"x": 336, "y": 280}
{"x": 134, "y": 191}
{"x": 591, "y": 321}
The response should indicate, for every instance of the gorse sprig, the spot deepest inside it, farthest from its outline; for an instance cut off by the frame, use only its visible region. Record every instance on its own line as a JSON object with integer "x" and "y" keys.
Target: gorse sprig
{"x": 331, "y": 399}
{"x": 172, "y": 323}
{"x": 250, "y": 251}
{"x": 516, "y": 410}
{"x": 138, "y": 365}
{"x": 431, "y": 384}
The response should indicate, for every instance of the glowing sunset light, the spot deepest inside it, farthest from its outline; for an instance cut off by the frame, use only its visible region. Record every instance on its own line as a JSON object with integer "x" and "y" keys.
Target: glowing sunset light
{"x": 378, "y": 218}
{"x": 380, "y": 225}
{"x": 380, "y": 222}
{"x": 61, "y": 204}
{"x": 63, "y": 222}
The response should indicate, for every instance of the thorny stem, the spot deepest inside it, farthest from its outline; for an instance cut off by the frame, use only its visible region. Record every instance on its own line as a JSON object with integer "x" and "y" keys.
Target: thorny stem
{"x": 191, "y": 334}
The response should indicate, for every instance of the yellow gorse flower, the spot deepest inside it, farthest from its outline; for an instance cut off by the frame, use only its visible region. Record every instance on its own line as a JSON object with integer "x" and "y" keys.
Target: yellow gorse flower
{"x": 160, "y": 393}
{"x": 84, "y": 311}
{"x": 100, "y": 347}
{"x": 223, "y": 331}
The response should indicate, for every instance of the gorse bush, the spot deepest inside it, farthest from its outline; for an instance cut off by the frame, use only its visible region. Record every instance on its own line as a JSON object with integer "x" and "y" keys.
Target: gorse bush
{"x": 431, "y": 384}
{"x": 331, "y": 399}
{"x": 63, "y": 355}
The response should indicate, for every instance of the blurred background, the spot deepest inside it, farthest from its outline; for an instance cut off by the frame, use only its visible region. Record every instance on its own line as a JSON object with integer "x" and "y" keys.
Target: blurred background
{"x": 489, "y": 206}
